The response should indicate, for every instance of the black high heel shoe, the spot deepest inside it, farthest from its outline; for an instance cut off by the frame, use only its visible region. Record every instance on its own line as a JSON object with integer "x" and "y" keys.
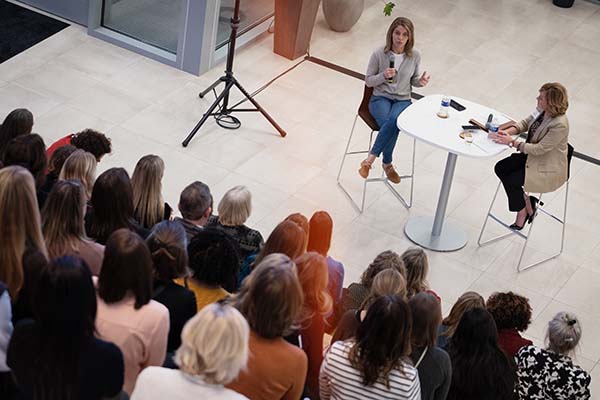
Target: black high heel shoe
{"x": 534, "y": 202}
{"x": 516, "y": 227}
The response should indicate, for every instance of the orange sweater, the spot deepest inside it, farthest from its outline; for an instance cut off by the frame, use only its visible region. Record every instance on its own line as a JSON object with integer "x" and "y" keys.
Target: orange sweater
{"x": 276, "y": 370}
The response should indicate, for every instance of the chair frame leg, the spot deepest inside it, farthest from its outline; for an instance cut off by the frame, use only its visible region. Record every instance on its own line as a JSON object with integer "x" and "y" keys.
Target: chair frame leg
{"x": 360, "y": 208}
{"x": 526, "y": 237}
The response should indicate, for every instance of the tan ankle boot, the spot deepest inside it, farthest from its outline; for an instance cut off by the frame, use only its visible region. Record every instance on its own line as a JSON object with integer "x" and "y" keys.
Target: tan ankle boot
{"x": 365, "y": 167}
{"x": 391, "y": 173}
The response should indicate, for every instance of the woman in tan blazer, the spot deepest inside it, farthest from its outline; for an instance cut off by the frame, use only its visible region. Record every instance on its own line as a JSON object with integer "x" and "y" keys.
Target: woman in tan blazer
{"x": 540, "y": 164}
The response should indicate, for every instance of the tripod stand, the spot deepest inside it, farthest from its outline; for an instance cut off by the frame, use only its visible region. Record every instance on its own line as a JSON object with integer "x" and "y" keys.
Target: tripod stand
{"x": 221, "y": 103}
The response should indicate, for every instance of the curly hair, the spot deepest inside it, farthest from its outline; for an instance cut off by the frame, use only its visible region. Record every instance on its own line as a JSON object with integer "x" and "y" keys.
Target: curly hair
{"x": 214, "y": 259}
{"x": 384, "y": 260}
{"x": 509, "y": 310}
{"x": 93, "y": 142}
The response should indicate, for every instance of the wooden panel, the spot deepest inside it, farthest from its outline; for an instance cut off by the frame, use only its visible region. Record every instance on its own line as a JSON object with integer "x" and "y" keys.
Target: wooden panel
{"x": 294, "y": 22}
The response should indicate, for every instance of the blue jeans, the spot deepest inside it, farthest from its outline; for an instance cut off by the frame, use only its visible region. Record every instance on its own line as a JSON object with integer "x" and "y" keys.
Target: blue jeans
{"x": 385, "y": 112}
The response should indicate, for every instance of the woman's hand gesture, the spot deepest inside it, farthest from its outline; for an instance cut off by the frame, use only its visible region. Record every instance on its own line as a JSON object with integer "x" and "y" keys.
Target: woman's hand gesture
{"x": 389, "y": 73}
{"x": 424, "y": 80}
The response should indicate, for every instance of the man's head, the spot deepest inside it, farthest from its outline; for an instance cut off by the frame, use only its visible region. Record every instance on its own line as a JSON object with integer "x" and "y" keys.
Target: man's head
{"x": 195, "y": 203}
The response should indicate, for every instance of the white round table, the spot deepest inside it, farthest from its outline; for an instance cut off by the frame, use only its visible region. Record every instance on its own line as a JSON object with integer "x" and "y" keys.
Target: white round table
{"x": 420, "y": 121}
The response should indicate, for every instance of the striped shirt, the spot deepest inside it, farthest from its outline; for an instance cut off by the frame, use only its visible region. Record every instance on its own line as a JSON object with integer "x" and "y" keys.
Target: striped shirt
{"x": 339, "y": 380}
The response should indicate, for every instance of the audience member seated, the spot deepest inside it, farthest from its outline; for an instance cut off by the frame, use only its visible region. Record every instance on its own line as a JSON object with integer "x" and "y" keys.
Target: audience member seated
{"x": 149, "y": 207}
{"x": 63, "y": 225}
{"x": 319, "y": 240}
{"x": 89, "y": 140}
{"x": 376, "y": 364}
{"x": 112, "y": 206}
{"x": 271, "y": 301}
{"x": 417, "y": 268}
{"x": 313, "y": 275}
{"x": 512, "y": 314}
{"x": 55, "y": 165}
{"x": 467, "y": 301}
{"x": 29, "y": 151}
{"x": 80, "y": 166}
{"x": 433, "y": 363}
{"x": 170, "y": 259}
{"x": 234, "y": 210}
{"x": 480, "y": 369}
{"x": 127, "y": 315}
{"x": 213, "y": 352}
{"x": 7, "y": 387}
{"x": 18, "y": 122}
{"x": 195, "y": 206}
{"x": 287, "y": 238}
{"x": 34, "y": 262}
{"x": 22, "y": 247}
{"x": 550, "y": 373}
{"x": 215, "y": 264}
{"x": 57, "y": 356}
{"x": 355, "y": 294}
{"x": 302, "y": 222}
{"x": 388, "y": 282}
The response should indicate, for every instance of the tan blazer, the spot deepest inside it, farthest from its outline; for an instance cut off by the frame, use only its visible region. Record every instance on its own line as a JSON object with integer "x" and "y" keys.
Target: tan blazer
{"x": 546, "y": 168}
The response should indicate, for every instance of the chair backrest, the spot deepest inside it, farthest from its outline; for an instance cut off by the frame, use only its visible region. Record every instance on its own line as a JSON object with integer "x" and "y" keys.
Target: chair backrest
{"x": 363, "y": 109}
{"x": 570, "y": 151}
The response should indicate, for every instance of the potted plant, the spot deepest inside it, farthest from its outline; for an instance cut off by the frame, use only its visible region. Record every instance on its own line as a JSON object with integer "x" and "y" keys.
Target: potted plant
{"x": 341, "y": 15}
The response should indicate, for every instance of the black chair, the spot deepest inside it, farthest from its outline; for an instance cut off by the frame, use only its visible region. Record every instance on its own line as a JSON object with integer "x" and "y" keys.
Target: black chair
{"x": 365, "y": 115}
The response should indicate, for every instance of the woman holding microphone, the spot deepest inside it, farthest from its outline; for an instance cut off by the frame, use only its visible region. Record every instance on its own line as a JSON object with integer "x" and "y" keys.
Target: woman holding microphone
{"x": 540, "y": 164}
{"x": 392, "y": 71}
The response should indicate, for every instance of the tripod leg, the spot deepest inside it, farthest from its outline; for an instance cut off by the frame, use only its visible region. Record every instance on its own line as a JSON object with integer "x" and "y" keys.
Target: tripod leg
{"x": 259, "y": 108}
{"x": 208, "y": 113}
{"x": 211, "y": 87}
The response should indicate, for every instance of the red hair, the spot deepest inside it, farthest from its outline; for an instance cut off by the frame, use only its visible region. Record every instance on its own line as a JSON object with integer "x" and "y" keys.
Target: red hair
{"x": 313, "y": 276}
{"x": 321, "y": 229}
{"x": 287, "y": 238}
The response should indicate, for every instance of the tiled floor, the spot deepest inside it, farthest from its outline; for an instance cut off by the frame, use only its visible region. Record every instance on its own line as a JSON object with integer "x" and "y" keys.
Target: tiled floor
{"x": 497, "y": 52}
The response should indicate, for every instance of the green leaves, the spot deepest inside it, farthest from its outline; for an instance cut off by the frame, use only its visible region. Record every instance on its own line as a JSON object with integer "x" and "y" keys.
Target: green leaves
{"x": 387, "y": 9}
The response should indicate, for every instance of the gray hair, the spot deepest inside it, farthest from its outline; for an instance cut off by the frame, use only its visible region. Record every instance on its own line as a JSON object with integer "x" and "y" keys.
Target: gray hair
{"x": 564, "y": 333}
{"x": 195, "y": 200}
{"x": 235, "y": 206}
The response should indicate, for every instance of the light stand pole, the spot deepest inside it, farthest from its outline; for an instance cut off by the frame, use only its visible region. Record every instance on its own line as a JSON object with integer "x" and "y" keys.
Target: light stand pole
{"x": 220, "y": 107}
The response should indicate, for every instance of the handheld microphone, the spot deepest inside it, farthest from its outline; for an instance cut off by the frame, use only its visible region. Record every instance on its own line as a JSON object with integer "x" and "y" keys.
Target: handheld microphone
{"x": 392, "y": 62}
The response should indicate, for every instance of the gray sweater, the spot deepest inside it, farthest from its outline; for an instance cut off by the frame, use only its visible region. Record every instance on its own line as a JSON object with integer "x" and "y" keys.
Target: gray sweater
{"x": 408, "y": 75}
{"x": 435, "y": 372}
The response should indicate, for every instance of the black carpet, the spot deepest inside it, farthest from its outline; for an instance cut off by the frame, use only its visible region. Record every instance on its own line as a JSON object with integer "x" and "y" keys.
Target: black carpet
{"x": 21, "y": 28}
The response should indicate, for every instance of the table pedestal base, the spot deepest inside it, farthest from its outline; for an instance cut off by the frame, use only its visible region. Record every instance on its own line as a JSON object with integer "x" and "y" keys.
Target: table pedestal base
{"x": 419, "y": 231}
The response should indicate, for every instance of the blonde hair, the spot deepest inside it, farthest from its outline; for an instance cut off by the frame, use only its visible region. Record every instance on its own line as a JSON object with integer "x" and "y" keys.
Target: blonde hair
{"x": 214, "y": 344}
{"x": 556, "y": 97}
{"x": 63, "y": 218}
{"x": 235, "y": 206}
{"x": 388, "y": 282}
{"x": 466, "y": 302}
{"x": 564, "y": 333}
{"x": 406, "y": 24}
{"x": 19, "y": 224}
{"x": 148, "y": 203}
{"x": 417, "y": 268}
{"x": 80, "y": 166}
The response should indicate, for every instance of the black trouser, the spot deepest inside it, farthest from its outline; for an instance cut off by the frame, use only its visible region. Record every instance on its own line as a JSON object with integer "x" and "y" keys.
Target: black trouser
{"x": 511, "y": 171}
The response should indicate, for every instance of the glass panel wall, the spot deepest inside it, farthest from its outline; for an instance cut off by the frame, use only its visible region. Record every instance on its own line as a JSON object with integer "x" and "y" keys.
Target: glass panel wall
{"x": 155, "y": 22}
{"x": 252, "y": 13}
